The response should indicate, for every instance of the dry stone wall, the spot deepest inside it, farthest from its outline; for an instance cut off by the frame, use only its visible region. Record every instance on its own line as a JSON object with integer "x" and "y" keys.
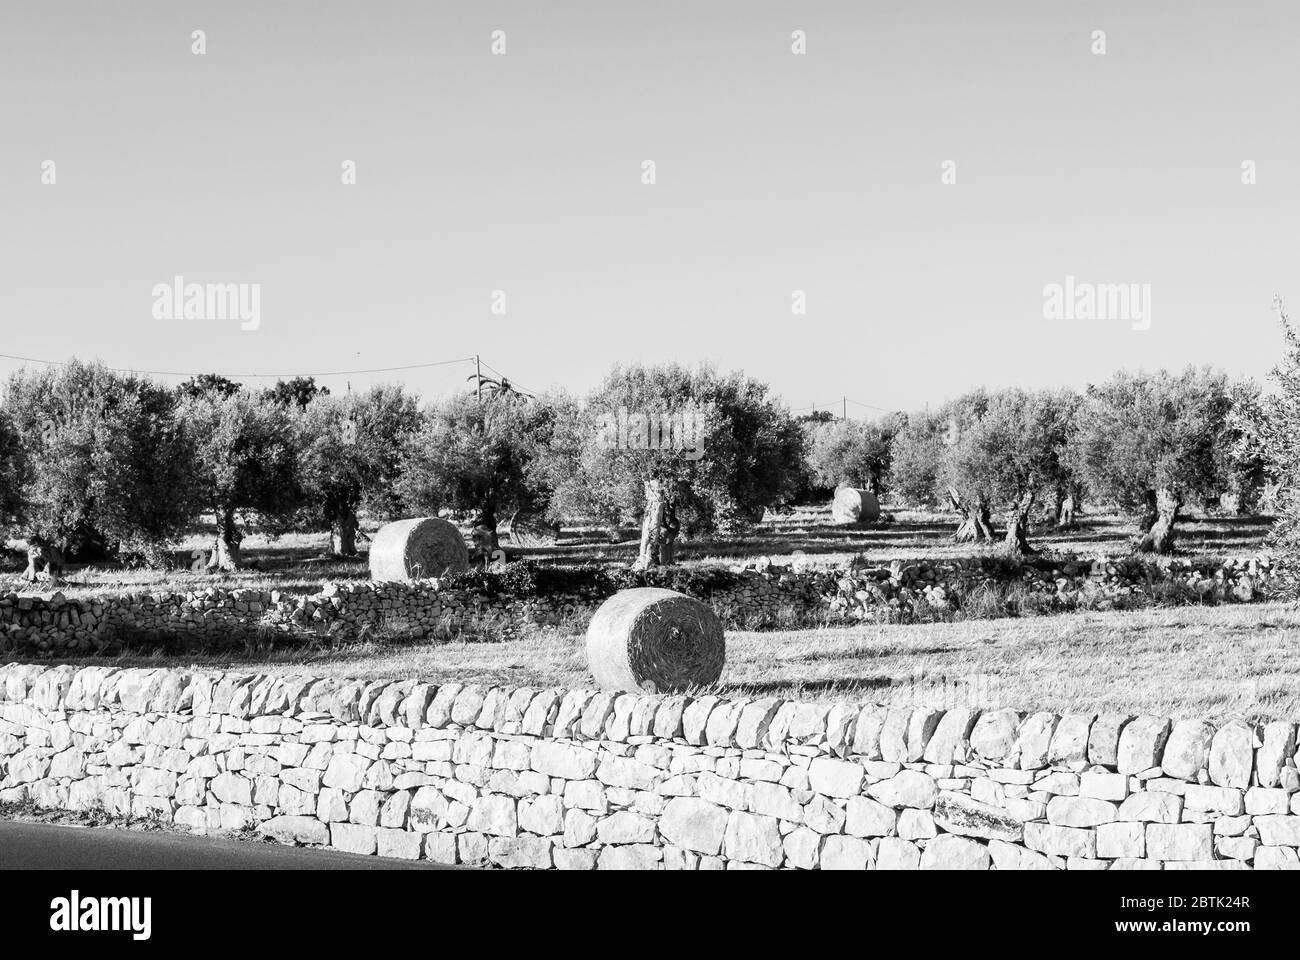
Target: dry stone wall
{"x": 750, "y": 597}
{"x": 580, "y": 779}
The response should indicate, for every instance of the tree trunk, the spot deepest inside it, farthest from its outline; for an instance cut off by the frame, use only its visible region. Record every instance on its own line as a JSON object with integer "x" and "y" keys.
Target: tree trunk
{"x": 1159, "y": 532}
{"x": 1018, "y": 525}
{"x": 976, "y": 525}
{"x": 42, "y": 553}
{"x": 343, "y": 535}
{"x": 229, "y": 537}
{"x": 659, "y": 527}
{"x": 487, "y": 518}
{"x": 1065, "y": 512}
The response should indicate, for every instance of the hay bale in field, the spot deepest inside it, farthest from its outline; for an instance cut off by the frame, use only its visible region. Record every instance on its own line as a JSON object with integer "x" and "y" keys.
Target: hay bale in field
{"x": 656, "y": 641}
{"x": 854, "y": 506}
{"x": 417, "y": 549}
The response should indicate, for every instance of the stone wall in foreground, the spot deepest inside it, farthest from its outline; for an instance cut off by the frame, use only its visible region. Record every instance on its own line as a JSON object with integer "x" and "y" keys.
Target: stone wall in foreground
{"x": 579, "y": 779}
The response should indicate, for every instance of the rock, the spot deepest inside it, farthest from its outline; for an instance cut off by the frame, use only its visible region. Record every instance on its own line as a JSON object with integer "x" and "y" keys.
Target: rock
{"x": 949, "y": 735}
{"x": 353, "y": 838}
{"x": 753, "y": 839}
{"x": 1279, "y": 744}
{"x": 296, "y": 829}
{"x": 1152, "y": 807}
{"x": 1141, "y": 744}
{"x": 1103, "y": 739}
{"x": 1035, "y": 740}
{"x": 1278, "y": 831}
{"x": 1232, "y": 756}
{"x": 835, "y": 778}
{"x": 1116, "y": 840}
{"x": 994, "y": 734}
{"x": 1223, "y": 801}
{"x": 845, "y": 853}
{"x": 755, "y": 718}
{"x": 625, "y": 826}
{"x": 1061, "y": 841}
{"x": 521, "y": 852}
{"x": 867, "y": 818}
{"x": 896, "y": 854}
{"x": 1070, "y": 739}
{"x": 694, "y": 824}
{"x": 921, "y": 726}
{"x": 1267, "y": 800}
{"x": 802, "y": 848}
{"x": 866, "y": 733}
{"x": 908, "y": 788}
{"x": 567, "y": 761}
{"x": 959, "y": 814}
{"x": 495, "y": 815}
{"x": 1187, "y": 750}
{"x": 1080, "y": 811}
{"x": 948, "y": 852}
{"x": 1180, "y": 841}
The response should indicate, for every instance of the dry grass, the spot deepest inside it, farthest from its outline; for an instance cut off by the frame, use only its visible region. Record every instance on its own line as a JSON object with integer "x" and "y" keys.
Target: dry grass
{"x": 1237, "y": 660}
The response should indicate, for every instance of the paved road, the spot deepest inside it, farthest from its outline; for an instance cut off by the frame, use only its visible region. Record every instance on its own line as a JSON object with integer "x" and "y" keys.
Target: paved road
{"x": 44, "y": 846}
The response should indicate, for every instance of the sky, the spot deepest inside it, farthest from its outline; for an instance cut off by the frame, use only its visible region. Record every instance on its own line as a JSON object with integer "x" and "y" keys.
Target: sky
{"x": 774, "y": 172}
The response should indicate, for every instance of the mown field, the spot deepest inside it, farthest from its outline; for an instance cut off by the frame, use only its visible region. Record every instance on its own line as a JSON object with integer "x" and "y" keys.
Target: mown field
{"x": 1213, "y": 662}
{"x": 1232, "y": 660}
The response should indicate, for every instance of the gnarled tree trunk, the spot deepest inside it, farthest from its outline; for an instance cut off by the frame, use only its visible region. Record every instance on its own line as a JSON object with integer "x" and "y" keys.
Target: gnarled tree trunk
{"x": 343, "y": 535}
{"x": 659, "y": 527}
{"x": 42, "y": 553}
{"x": 225, "y": 556}
{"x": 1158, "y": 522}
{"x": 1018, "y": 525}
{"x": 976, "y": 525}
{"x": 487, "y": 519}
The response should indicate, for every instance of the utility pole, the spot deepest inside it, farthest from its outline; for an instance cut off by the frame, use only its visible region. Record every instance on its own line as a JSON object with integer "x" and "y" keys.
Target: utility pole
{"x": 844, "y": 408}
{"x": 478, "y": 379}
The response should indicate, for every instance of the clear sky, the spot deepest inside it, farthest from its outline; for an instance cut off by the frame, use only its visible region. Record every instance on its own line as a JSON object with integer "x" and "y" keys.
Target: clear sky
{"x": 775, "y": 173}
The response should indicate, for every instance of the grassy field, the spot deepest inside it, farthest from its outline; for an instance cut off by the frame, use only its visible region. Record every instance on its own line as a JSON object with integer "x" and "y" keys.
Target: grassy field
{"x": 298, "y": 563}
{"x": 1234, "y": 660}
{"x": 1212, "y": 662}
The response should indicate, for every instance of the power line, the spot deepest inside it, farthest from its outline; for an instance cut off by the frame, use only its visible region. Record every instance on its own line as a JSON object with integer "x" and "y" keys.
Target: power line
{"x": 522, "y": 386}
{"x": 868, "y": 405}
{"x": 249, "y": 376}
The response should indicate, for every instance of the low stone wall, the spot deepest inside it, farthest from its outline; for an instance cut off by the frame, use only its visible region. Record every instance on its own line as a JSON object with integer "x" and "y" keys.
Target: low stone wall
{"x": 580, "y": 779}
{"x": 749, "y": 598}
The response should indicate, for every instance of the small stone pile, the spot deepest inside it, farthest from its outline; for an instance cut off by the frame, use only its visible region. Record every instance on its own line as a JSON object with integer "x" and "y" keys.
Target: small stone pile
{"x": 580, "y": 779}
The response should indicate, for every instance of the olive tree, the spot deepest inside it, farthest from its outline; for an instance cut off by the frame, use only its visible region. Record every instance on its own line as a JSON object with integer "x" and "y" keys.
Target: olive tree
{"x": 855, "y": 452}
{"x": 679, "y": 449}
{"x": 97, "y": 461}
{"x": 1275, "y": 433}
{"x": 350, "y": 457}
{"x": 473, "y": 456}
{"x": 1009, "y": 452}
{"x": 246, "y": 466}
{"x": 1152, "y": 443}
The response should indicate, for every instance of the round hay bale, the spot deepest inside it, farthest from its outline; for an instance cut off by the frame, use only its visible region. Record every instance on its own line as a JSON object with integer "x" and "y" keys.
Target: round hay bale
{"x": 655, "y": 641}
{"x": 417, "y": 549}
{"x": 854, "y": 506}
